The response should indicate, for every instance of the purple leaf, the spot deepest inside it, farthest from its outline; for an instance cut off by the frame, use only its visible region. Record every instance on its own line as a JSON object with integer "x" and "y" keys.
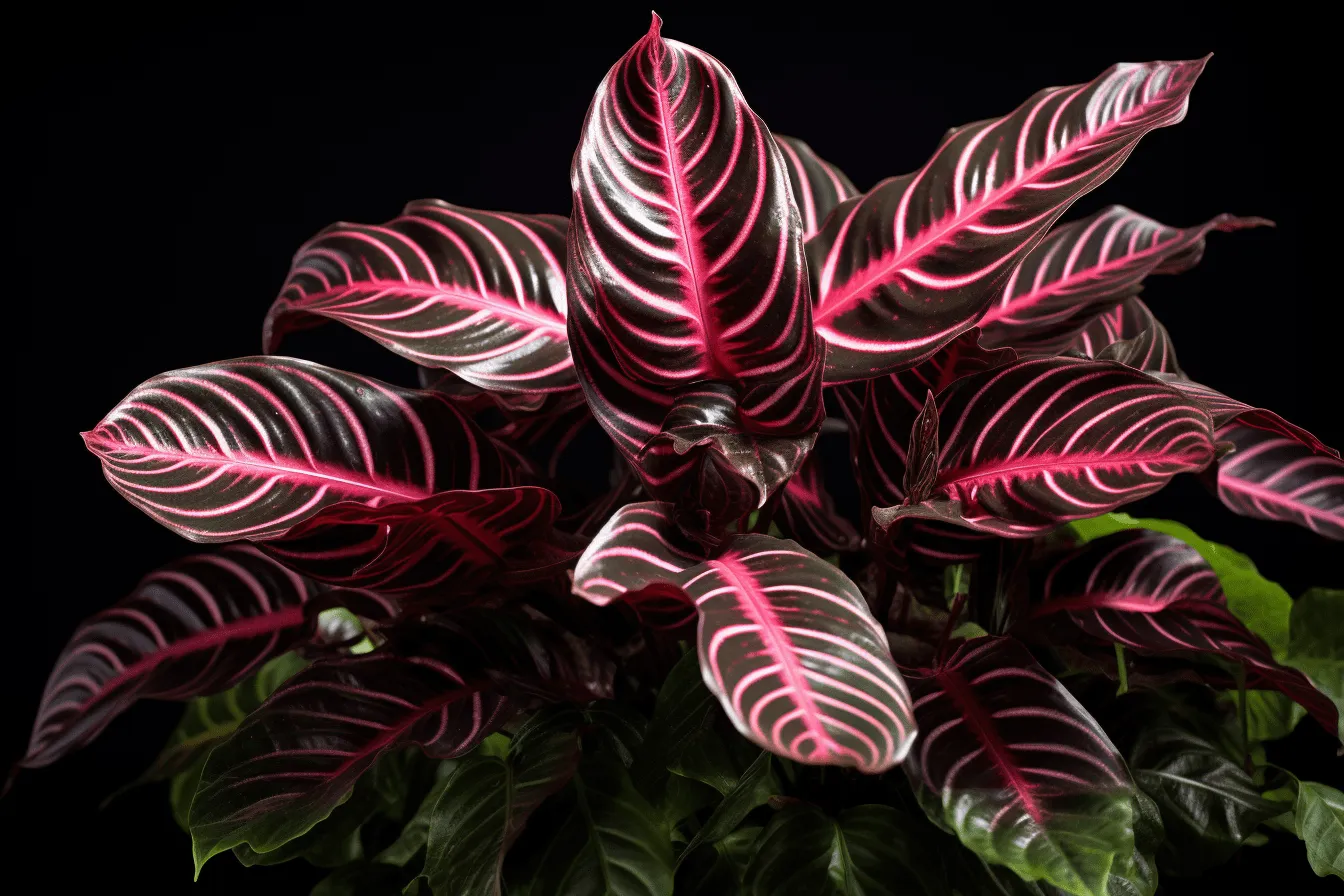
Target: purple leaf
{"x": 196, "y": 626}
{"x": 479, "y": 293}
{"x": 1087, "y": 266}
{"x": 250, "y": 448}
{"x": 918, "y": 259}
{"x": 1040, "y": 442}
{"x": 1273, "y": 477}
{"x": 809, "y": 515}
{"x": 1225, "y": 411}
{"x": 1153, "y": 593}
{"x": 818, "y": 186}
{"x": 1130, "y": 334}
{"x": 1013, "y": 765}
{"x": 786, "y": 641}
{"x": 465, "y": 538}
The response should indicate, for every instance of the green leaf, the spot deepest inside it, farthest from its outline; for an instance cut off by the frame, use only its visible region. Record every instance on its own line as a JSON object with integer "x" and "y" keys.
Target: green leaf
{"x": 869, "y": 850}
{"x": 1209, "y": 805}
{"x": 612, "y": 844}
{"x": 1316, "y": 643}
{"x": 1319, "y": 815}
{"x": 416, "y": 831}
{"x": 1270, "y": 715}
{"x": 1138, "y": 877}
{"x": 1262, "y": 605}
{"x": 716, "y": 869}
{"x": 756, "y": 785}
{"x": 487, "y": 799}
{"x": 685, "y": 709}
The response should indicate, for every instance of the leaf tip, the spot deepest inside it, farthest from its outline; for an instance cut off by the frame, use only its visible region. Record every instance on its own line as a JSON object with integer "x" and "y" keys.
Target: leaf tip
{"x": 655, "y": 26}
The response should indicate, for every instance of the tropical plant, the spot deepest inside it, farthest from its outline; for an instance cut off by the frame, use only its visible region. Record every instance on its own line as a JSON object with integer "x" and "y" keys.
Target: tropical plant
{"x": 430, "y": 653}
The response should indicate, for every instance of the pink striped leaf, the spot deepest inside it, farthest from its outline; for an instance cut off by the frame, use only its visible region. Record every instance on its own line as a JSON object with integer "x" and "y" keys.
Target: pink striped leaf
{"x": 479, "y": 293}
{"x": 253, "y": 447}
{"x": 1040, "y": 442}
{"x": 1274, "y": 477}
{"x": 462, "y": 538}
{"x": 894, "y": 401}
{"x": 442, "y": 685}
{"x": 1226, "y": 411}
{"x": 1153, "y": 593}
{"x": 1087, "y": 266}
{"x": 197, "y": 626}
{"x": 808, "y": 512}
{"x": 918, "y": 259}
{"x": 1014, "y": 766}
{"x": 786, "y": 641}
{"x": 817, "y": 185}
{"x": 1131, "y": 334}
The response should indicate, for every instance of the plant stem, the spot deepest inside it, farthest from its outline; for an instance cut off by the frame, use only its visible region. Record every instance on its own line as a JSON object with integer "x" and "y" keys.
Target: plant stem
{"x": 958, "y": 603}
{"x": 1124, "y": 672}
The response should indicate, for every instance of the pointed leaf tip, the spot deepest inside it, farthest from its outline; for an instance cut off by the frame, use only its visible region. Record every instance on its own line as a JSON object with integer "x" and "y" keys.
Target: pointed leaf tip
{"x": 656, "y": 25}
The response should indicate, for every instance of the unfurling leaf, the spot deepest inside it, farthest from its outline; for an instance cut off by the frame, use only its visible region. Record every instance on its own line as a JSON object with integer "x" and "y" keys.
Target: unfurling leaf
{"x": 1037, "y": 443}
{"x": 903, "y": 269}
{"x": 1014, "y": 766}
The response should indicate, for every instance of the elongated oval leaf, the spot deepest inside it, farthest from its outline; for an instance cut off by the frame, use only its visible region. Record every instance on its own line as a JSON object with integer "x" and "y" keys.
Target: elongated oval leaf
{"x": 818, "y": 186}
{"x": 1271, "y": 476}
{"x": 787, "y": 643}
{"x": 1153, "y": 593}
{"x": 462, "y": 537}
{"x": 1131, "y": 334}
{"x": 918, "y": 259}
{"x": 487, "y": 800}
{"x": 690, "y": 249}
{"x": 479, "y": 293}
{"x": 1013, "y": 765}
{"x": 1318, "y": 816}
{"x": 1034, "y": 444}
{"x": 870, "y": 849}
{"x": 274, "y": 778}
{"x": 1225, "y": 410}
{"x": 250, "y": 448}
{"x": 1087, "y": 266}
{"x": 789, "y": 647}
{"x": 194, "y": 627}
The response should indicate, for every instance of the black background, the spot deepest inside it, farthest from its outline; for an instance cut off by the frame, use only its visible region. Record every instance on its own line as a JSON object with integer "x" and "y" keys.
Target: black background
{"x": 178, "y": 161}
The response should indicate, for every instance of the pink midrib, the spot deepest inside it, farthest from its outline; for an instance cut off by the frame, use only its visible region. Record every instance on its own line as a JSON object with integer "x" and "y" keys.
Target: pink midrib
{"x": 955, "y": 686}
{"x": 976, "y": 475}
{"x": 679, "y": 189}
{"x": 313, "y": 477}
{"x": 833, "y": 305}
{"x": 532, "y": 315}
{"x": 777, "y": 647}
{"x": 250, "y": 627}
{"x": 1259, "y": 492}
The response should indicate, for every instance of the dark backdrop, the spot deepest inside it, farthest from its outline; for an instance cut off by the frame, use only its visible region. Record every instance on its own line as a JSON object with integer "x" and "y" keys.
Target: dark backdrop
{"x": 178, "y": 161}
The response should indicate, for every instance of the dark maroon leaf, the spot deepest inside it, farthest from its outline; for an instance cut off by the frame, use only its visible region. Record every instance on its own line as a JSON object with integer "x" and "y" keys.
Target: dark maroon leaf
{"x": 808, "y": 512}
{"x": 479, "y": 293}
{"x": 250, "y": 448}
{"x": 690, "y": 317}
{"x": 787, "y": 642}
{"x": 1274, "y": 477}
{"x": 194, "y": 627}
{"x": 460, "y": 539}
{"x": 1033, "y": 444}
{"x": 918, "y": 259}
{"x": 1155, "y": 594}
{"x": 1130, "y": 334}
{"x": 1088, "y": 266}
{"x": 1224, "y": 411}
{"x": 1013, "y": 765}
{"x": 818, "y": 186}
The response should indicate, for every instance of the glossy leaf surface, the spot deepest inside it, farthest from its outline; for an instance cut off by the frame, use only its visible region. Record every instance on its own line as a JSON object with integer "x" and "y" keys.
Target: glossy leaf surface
{"x": 194, "y": 627}
{"x": 1085, "y": 267}
{"x": 1033, "y": 444}
{"x": 479, "y": 293}
{"x": 808, "y": 513}
{"x": 1319, "y": 819}
{"x": 818, "y": 186}
{"x": 1273, "y": 477}
{"x": 1013, "y": 765}
{"x": 250, "y": 448}
{"x": 1131, "y": 334}
{"x": 918, "y": 259}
